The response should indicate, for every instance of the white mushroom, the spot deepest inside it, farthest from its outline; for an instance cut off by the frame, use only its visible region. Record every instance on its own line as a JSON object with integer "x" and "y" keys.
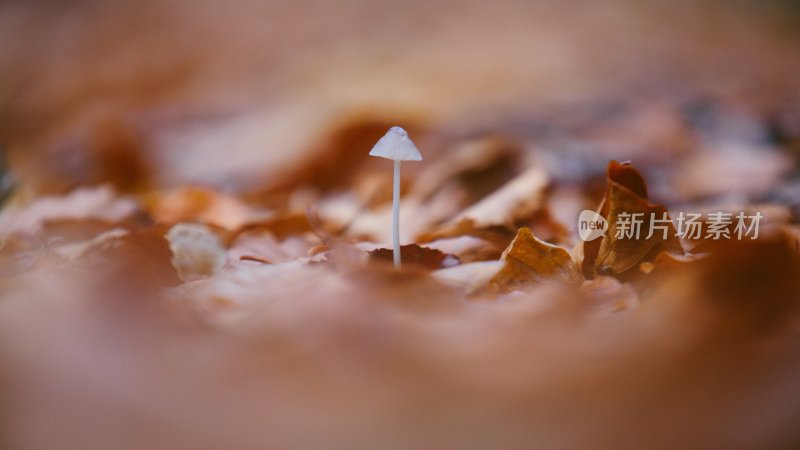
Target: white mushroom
{"x": 397, "y": 146}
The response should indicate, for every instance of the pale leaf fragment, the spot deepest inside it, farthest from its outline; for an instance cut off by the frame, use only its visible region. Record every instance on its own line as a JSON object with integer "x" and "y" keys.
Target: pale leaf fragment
{"x": 197, "y": 252}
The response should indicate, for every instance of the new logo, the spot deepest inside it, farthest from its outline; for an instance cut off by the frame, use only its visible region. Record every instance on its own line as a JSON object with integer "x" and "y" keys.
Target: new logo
{"x": 591, "y": 225}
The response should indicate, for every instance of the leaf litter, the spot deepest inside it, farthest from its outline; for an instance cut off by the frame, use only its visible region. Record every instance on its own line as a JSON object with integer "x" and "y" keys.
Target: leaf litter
{"x": 283, "y": 292}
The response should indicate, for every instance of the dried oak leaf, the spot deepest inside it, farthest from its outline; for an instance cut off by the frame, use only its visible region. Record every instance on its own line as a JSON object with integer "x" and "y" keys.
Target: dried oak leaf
{"x": 529, "y": 260}
{"x": 626, "y": 193}
{"x": 415, "y": 257}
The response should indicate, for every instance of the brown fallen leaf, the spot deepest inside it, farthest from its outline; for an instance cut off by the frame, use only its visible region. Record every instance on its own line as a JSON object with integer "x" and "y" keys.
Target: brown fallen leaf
{"x": 480, "y": 165}
{"x": 416, "y": 257}
{"x": 496, "y": 217}
{"x": 626, "y": 192}
{"x": 199, "y": 204}
{"x": 135, "y": 263}
{"x": 529, "y": 260}
{"x": 518, "y": 199}
{"x": 281, "y": 226}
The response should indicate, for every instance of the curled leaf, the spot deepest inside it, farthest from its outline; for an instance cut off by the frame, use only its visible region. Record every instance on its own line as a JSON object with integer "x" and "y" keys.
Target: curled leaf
{"x": 626, "y": 197}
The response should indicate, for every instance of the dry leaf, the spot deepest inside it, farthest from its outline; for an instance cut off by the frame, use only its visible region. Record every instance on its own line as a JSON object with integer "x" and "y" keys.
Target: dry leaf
{"x": 518, "y": 199}
{"x": 134, "y": 263}
{"x": 495, "y": 217}
{"x": 530, "y": 260}
{"x": 415, "y": 257}
{"x": 281, "y": 226}
{"x": 196, "y": 204}
{"x": 481, "y": 166}
{"x": 626, "y": 193}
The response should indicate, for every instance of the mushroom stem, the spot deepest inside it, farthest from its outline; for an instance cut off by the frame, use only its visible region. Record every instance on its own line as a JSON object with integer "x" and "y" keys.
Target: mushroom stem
{"x": 397, "y": 146}
{"x": 396, "y": 214}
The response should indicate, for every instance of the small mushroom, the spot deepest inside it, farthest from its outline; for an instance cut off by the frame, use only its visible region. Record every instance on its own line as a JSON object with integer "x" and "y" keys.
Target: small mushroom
{"x": 397, "y": 146}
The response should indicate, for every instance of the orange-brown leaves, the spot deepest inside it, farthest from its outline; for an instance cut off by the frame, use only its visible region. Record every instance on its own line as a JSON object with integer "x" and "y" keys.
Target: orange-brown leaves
{"x": 196, "y": 204}
{"x": 624, "y": 204}
{"x": 529, "y": 260}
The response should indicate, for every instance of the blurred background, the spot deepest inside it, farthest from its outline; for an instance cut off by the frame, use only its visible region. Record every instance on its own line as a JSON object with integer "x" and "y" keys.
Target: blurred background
{"x": 231, "y": 94}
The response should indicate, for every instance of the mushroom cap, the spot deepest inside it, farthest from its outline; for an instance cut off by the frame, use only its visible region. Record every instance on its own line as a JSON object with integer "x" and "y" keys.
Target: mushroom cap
{"x": 397, "y": 146}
